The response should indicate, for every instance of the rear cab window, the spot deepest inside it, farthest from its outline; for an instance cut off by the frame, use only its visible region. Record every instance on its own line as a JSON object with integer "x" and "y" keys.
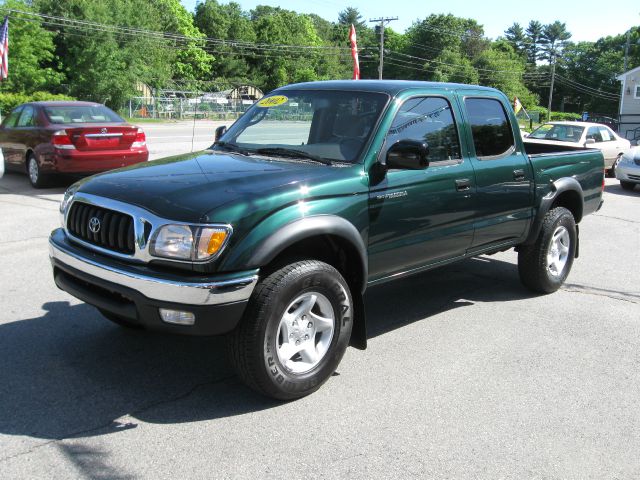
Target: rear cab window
{"x": 12, "y": 118}
{"x": 490, "y": 127}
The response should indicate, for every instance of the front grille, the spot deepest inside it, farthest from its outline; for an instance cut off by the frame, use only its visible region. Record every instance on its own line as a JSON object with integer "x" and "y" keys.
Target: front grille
{"x": 633, "y": 177}
{"x": 115, "y": 229}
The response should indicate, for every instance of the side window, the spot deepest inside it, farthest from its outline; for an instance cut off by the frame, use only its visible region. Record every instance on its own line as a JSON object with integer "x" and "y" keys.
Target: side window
{"x": 606, "y": 134}
{"x": 490, "y": 127}
{"x": 27, "y": 118}
{"x": 12, "y": 119}
{"x": 594, "y": 133}
{"x": 427, "y": 119}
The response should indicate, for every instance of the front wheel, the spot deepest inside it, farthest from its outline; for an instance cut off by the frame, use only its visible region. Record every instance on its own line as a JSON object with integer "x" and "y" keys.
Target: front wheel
{"x": 545, "y": 265}
{"x": 612, "y": 170}
{"x": 295, "y": 330}
{"x": 37, "y": 179}
{"x": 627, "y": 185}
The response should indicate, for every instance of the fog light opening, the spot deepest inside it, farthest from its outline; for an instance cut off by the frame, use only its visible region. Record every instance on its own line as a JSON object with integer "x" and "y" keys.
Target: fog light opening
{"x": 177, "y": 317}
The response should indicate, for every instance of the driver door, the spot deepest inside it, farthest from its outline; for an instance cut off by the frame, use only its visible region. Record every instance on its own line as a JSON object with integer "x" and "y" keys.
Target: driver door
{"x": 421, "y": 217}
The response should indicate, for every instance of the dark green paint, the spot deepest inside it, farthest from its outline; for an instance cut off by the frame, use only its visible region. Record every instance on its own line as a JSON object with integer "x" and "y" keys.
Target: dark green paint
{"x": 410, "y": 220}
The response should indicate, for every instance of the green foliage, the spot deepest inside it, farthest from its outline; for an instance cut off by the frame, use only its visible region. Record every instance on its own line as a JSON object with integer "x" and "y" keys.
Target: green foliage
{"x": 502, "y": 68}
{"x": 351, "y": 16}
{"x": 192, "y": 61}
{"x": 9, "y": 101}
{"x": 32, "y": 63}
{"x": 555, "y": 116}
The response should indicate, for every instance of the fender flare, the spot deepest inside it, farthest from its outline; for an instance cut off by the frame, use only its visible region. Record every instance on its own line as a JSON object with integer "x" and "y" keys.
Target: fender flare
{"x": 558, "y": 187}
{"x": 304, "y": 228}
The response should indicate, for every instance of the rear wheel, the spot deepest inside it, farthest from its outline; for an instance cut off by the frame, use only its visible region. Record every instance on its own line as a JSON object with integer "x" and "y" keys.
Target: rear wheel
{"x": 37, "y": 179}
{"x": 545, "y": 265}
{"x": 295, "y": 330}
{"x": 627, "y": 185}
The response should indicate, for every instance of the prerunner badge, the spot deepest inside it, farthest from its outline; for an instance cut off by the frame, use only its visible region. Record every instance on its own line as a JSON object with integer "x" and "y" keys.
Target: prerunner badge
{"x": 272, "y": 101}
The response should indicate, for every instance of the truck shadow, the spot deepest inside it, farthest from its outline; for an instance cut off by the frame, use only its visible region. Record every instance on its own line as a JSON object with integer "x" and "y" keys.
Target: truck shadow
{"x": 70, "y": 373}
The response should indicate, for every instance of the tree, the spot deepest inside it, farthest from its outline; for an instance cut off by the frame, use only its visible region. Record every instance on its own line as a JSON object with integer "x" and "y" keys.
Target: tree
{"x": 553, "y": 40}
{"x": 32, "y": 61}
{"x": 452, "y": 66}
{"x": 192, "y": 62}
{"x": 227, "y": 22}
{"x": 533, "y": 39}
{"x": 351, "y": 16}
{"x": 103, "y": 64}
{"x": 502, "y": 68}
{"x": 516, "y": 37}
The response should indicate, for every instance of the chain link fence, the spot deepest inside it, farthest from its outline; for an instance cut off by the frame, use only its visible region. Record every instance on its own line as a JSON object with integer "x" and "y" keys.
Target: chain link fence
{"x": 214, "y": 108}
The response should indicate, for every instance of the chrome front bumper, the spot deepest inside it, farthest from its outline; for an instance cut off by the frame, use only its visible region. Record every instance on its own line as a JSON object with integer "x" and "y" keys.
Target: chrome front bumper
{"x": 228, "y": 288}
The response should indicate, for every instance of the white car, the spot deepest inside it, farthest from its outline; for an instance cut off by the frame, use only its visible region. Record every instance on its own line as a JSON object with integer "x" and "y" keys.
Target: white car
{"x": 583, "y": 134}
{"x": 628, "y": 169}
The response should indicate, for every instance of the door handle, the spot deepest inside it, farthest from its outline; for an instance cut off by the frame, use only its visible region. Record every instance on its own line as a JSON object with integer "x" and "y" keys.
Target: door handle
{"x": 518, "y": 175}
{"x": 463, "y": 184}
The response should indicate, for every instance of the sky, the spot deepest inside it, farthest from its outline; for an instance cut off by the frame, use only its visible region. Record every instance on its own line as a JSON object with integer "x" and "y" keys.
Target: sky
{"x": 587, "y": 20}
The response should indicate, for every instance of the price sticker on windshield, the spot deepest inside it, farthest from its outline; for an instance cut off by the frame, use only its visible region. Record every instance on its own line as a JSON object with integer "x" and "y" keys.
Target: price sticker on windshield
{"x": 274, "y": 101}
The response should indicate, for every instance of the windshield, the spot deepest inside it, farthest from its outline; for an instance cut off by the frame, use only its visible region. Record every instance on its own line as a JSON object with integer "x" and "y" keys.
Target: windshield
{"x": 562, "y": 133}
{"x": 329, "y": 125}
{"x": 81, "y": 114}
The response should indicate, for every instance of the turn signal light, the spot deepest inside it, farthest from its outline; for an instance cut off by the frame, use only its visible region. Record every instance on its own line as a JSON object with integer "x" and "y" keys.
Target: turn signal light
{"x": 141, "y": 139}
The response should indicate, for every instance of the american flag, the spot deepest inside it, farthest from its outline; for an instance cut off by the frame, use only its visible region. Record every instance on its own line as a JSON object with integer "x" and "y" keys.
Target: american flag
{"x": 4, "y": 49}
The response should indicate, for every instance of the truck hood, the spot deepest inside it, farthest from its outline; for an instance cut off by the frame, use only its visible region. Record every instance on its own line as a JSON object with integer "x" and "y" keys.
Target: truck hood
{"x": 190, "y": 188}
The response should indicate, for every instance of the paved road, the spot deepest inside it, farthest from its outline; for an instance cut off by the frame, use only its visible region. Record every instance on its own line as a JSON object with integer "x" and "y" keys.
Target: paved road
{"x": 174, "y": 138}
{"x": 467, "y": 375}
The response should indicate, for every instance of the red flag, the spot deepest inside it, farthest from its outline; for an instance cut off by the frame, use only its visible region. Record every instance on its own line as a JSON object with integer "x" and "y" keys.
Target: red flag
{"x": 354, "y": 53}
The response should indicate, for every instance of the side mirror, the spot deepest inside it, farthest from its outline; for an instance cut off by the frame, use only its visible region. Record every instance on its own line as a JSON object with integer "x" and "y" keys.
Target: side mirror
{"x": 408, "y": 155}
{"x": 590, "y": 141}
{"x": 220, "y": 131}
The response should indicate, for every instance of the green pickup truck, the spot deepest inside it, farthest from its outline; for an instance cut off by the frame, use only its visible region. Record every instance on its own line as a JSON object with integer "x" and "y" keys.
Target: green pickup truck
{"x": 318, "y": 192}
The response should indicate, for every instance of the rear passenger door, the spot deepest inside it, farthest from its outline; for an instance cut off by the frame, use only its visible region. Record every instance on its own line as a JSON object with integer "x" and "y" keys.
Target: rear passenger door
{"x": 8, "y": 142}
{"x": 504, "y": 178}
{"x": 419, "y": 217}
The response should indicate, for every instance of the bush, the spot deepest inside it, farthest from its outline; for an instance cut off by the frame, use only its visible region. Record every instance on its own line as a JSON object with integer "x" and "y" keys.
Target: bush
{"x": 544, "y": 114}
{"x": 9, "y": 101}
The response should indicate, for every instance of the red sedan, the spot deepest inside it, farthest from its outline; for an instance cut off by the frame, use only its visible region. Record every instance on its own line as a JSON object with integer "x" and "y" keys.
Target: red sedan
{"x": 44, "y": 138}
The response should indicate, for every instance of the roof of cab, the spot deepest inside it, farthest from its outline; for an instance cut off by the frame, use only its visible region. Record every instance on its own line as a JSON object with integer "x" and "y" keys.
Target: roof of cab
{"x": 391, "y": 87}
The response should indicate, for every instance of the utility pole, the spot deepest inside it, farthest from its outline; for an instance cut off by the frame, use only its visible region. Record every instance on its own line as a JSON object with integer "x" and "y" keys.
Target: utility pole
{"x": 383, "y": 22}
{"x": 626, "y": 50}
{"x": 553, "y": 78}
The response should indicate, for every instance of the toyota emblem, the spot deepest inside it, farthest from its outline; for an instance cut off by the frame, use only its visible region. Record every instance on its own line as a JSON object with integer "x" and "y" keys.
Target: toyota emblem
{"x": 94, "y": 224}
{"x": 103, "y": 130}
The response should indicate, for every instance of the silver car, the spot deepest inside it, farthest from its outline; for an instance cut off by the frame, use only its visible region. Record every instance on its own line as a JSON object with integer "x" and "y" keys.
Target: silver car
{"x": 627, "y": 168}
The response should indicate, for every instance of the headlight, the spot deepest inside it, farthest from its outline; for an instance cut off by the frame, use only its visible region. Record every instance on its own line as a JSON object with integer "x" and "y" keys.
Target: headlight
{"x": 68, "y": 196}
{"x": 188, "y": 242}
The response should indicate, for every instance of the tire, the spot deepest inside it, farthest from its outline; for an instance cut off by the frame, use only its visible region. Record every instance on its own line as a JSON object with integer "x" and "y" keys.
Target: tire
{"x": 545, "y": 265}
{"x": 118, "y": 320}
{"x": 37, "y": 179}
{"x": 294, "y": 332}
{"x": 627, "y": 185}
{"x": 612, "y": 170}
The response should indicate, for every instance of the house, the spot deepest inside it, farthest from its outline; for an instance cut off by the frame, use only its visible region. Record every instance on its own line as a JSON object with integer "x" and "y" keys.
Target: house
{"x": 629, "y": 113}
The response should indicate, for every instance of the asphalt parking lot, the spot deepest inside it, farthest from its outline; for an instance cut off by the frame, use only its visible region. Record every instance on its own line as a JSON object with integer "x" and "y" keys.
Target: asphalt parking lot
{"x": 467, "y": 375}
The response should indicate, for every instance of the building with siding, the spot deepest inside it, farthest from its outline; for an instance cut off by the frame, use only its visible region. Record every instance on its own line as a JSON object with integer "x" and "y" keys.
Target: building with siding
{"x": 629, "y": 113}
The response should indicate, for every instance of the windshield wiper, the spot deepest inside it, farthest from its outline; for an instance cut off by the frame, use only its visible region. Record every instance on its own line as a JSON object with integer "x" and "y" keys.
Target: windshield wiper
{"x": 232, "y": 147}
{"x": 287, "y": 152}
